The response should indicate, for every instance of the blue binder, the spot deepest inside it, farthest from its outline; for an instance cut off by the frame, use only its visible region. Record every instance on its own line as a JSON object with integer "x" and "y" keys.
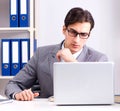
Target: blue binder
{"x": 13, "y": 13}
{"x": 25, "y": 51}
{"x": 35, "y": 44}
{"x": 15, "y": 56}
{"x": 24, "y": 13}
{"x": 5, "y": 49}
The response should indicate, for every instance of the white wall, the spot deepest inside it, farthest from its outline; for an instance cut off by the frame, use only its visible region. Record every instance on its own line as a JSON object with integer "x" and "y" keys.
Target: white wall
{"x": 105, "y": 36}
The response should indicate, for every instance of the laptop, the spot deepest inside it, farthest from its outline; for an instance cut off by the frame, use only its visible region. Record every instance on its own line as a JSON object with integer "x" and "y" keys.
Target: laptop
{"x": 83, "y": 83}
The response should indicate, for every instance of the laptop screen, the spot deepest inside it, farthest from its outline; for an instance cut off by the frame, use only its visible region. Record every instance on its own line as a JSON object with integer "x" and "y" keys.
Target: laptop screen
{"x": 83, "y": 83}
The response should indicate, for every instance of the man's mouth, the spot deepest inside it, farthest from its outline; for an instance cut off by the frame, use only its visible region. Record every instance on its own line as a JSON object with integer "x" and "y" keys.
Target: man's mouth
{"x": 75, "y": 46}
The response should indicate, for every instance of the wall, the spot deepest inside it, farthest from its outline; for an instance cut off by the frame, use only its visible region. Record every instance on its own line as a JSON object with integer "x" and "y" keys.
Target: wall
{"x": 104, "y": 37}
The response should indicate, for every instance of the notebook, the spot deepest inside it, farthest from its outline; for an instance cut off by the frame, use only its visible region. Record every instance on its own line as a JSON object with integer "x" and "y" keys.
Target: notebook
{"x": 83, "y": 83}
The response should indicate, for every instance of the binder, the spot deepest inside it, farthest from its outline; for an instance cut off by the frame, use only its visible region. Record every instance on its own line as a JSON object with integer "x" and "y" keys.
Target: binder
{"x": 24, "y": 13}
{"x": 15, "y": 56}
{"x": 13, "y": 13}
{"x": 25, "y": 51}
{"x": 5, "y": 49}
{"x": 35, "y": 44}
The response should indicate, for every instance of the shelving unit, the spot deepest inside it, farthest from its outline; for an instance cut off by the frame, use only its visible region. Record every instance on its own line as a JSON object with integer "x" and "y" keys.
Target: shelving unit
{"x": 22, "y": 32}
{"x": 9, "y": 32}
{"x": 30, "y": 30}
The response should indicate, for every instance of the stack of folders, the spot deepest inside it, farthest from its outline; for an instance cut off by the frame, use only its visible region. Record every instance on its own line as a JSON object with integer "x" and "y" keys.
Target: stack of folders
{"x": 19, "y": 13}
{"x": 15, "y": 54}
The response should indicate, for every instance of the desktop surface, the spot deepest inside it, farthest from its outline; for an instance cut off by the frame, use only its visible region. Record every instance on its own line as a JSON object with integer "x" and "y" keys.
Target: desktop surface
{"x": 45, "y": 105}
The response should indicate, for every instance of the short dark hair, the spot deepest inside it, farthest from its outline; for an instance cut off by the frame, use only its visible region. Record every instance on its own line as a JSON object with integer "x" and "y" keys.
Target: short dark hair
{"x": 77, "y": 14}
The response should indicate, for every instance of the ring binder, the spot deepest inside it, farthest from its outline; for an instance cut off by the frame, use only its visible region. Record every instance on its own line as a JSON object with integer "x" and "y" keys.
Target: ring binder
{"x": 24, "y": 13}
{"x": 5, "y": 57}
{"x": 13, "y": 13}
{"x": 25, "y": 51}
{"x": 15, "y": 56}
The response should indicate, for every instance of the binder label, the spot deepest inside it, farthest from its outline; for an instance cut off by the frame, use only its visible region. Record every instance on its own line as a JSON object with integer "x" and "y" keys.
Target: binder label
{"x": 24, "y": 52}
{"x": 15, "y": 52}
{"x": 13, "y": 7}
{"x": 5, "y": 52}
{"x": 23, "y": 7}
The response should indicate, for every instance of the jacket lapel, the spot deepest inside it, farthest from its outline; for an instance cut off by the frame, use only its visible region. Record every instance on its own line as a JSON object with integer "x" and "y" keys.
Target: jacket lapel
{"x": 85, "y": 55}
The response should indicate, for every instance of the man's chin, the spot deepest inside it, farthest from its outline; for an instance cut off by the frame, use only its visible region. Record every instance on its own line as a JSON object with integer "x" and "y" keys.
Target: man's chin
{"x": 74, "y": 51}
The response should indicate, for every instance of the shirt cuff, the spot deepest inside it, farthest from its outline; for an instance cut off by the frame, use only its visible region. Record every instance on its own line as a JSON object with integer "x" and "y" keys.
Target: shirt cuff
{"x": 13, "y": 96}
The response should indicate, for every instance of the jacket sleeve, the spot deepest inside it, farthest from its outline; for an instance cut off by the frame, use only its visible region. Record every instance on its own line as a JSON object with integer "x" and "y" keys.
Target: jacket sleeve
{"x": 24, "y": 79}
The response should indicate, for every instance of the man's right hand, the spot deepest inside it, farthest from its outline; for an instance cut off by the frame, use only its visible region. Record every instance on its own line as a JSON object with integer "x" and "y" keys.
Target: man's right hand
{"x": 66, "y": 55}
{"x": 26, "y": 95}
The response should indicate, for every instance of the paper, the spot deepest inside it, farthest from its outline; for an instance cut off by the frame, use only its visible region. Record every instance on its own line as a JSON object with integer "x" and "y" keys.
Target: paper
{"x": 4, "y": 100}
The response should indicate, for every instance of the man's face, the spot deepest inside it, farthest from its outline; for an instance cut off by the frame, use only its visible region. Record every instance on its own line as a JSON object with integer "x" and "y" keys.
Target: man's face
{"x": 76, "y": 36}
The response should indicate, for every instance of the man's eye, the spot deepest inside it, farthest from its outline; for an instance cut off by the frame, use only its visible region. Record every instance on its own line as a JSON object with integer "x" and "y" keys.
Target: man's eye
{"x": 73, "y": 32}
{"x": 83, "y": 34}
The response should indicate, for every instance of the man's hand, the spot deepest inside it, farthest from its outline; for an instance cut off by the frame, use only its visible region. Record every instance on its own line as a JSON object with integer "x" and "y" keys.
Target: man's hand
{"x": 26, "y": 95}
{"x": 66, "y": 55}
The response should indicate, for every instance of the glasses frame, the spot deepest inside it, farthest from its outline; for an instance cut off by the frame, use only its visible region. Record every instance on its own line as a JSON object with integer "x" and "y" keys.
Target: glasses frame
{"x": 74, "y": 33}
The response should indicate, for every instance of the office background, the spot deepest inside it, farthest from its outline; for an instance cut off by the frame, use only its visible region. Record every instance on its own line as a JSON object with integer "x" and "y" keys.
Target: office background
{"x": 104, "y": 37}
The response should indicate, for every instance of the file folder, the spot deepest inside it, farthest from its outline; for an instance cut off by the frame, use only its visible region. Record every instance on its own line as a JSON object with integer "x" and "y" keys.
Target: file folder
{"x": 25, "y": 51}
{"x": 13, "y": 13}
{"x": 35, "y": 44}
{"x": 15, "y": 56}
{"x": 24, "y": 13}
{"x": 5, "y": 49}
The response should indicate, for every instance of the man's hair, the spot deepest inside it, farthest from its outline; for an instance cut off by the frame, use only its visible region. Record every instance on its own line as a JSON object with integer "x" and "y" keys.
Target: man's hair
{"x": 78, "y": 15}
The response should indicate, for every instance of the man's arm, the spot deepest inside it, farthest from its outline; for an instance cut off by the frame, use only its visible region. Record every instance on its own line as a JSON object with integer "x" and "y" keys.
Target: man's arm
{"x": 24, "y": 79}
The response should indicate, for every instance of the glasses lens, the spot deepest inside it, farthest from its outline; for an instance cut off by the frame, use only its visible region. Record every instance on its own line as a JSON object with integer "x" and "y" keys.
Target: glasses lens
{"x": 72, "y": 32}
{"x": 84, "y": 35}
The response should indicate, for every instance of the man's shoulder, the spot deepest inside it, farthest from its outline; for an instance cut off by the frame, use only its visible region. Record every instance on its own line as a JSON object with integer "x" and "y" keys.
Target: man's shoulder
{"x": 94, "y": 51}
{"x": 49, "y": 47}
{"x": 95, "y": 54}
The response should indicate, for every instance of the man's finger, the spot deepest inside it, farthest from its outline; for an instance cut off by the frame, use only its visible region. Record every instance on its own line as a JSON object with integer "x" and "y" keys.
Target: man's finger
{"x": 36, "y": 94}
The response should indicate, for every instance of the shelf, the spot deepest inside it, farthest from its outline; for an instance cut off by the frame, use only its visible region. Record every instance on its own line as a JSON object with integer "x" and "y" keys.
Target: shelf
{"x": 6, "y": 77}
{"x": 7, "y": 32}
{"x": 4, "y": 29}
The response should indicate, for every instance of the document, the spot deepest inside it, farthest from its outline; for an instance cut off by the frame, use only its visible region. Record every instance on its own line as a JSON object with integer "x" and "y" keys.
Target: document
{"x": 4, "y": 100}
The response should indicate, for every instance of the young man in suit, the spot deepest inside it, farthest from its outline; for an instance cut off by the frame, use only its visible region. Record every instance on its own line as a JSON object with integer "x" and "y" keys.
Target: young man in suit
{"x": 77, "y": 27}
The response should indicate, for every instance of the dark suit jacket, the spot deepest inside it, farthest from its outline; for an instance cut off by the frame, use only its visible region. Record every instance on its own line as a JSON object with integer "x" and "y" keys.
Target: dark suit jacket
{"x": 40, "y": 67}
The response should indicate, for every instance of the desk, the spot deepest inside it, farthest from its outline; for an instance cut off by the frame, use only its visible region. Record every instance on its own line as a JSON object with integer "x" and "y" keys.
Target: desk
{"x": 45, "y": 105}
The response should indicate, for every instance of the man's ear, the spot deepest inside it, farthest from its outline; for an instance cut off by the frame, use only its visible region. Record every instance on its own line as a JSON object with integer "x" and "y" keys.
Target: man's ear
{"x": 64, "y": 29}
{"x": 89, "y": 33}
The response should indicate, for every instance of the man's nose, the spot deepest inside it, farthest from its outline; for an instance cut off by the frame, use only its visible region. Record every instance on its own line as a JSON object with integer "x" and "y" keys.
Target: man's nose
{"x": 77, "y": 38}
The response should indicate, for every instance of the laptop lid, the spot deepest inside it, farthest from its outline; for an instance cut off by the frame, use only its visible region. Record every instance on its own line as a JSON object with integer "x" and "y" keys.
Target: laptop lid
{"x": 83, "y": 83}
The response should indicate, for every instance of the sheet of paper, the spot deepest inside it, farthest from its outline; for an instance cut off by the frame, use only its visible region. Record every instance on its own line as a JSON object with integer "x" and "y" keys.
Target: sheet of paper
{"x": 4, "y": 100}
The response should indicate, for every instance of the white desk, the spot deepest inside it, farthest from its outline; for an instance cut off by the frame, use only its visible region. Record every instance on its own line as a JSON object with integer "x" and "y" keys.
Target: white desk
{"x": 45, "y": 105}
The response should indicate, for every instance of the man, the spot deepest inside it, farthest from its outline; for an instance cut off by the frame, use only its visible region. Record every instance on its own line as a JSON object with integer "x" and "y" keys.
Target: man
{"x": 77, "y": 27}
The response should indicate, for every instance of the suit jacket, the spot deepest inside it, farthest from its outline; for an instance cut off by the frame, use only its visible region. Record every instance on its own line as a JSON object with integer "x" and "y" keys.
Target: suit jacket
{"x": 40, "y": 67}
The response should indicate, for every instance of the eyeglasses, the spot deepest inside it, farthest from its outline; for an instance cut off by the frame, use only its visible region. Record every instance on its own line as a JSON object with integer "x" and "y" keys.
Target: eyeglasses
{"x": 74, "y": 33}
